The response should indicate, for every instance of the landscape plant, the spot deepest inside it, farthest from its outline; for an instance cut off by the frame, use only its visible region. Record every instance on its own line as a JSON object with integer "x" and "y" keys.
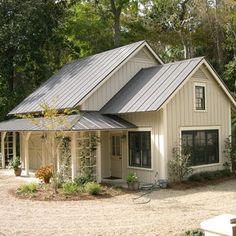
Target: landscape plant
{"x": 132, "y": 177}
{"x": 230, "y": 154}
{"x": 70, "y": 187}
{"x": 15, "y": 163}
{"x": 44, "y": 173}
{"x": 93, "y": 188}
{"x": 26, "y": 189}
{"x": 179, "y": 166}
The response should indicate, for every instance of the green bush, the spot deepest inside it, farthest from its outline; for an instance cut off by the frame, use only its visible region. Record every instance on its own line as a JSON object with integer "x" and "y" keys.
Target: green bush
{"x": 179, "y": 165}
{"x": 192, "y": 233}
{"x": 132, "y": 177}
{"x": 27, "y": 188}
{"x": 93, "y": 188}
{"x": 209, "y": 175}
{"x": 70, "y": 188}
{"x": 83, "y": 179}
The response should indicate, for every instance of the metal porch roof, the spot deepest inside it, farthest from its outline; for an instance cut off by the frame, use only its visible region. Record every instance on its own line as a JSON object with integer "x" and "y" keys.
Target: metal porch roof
{"x": 76, "y": 80}
{"x": 151, "y": 87}
{"x": 82, "y": 122}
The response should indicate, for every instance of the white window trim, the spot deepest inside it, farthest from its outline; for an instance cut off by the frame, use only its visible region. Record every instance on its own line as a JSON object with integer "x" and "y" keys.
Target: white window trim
{"x": 194, "y": 128}
{"x": 152, "y": 148}
{"x": 194, "y": 92}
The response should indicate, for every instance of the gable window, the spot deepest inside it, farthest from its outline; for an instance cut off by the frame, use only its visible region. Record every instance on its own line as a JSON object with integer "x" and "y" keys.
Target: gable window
{"x": 200, "y": 97}
{"x": 202, "y": 145}
{"x": 140, "y": 149}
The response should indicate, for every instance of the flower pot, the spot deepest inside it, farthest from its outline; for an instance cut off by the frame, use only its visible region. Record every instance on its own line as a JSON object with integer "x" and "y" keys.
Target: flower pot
{"x": 134, "y": 186}
{"x": 17, "y": 171}
{"x": 46, "y": 180}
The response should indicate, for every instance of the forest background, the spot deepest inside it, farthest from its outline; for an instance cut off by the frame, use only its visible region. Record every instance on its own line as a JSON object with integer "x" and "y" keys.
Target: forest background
{"x": 37, "y": 37}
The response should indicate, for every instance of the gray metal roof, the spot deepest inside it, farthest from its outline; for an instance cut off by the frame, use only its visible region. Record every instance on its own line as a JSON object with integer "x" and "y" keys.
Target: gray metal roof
{"x": 82, "y": 122}
{"x": 76, "y": 80}
{"x": 151, "y": 87}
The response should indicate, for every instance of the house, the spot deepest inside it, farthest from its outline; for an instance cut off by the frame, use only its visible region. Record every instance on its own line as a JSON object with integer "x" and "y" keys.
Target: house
{"x": 139, "y": 108}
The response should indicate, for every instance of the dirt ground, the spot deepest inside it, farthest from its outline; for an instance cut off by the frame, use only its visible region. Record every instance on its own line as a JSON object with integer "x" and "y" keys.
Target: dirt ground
{"x": 168, "y": 213}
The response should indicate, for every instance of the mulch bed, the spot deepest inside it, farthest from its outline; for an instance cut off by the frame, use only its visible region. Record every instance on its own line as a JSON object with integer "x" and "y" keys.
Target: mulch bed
{"x": 49, "y": 195}
{"x": 195, "y": 184}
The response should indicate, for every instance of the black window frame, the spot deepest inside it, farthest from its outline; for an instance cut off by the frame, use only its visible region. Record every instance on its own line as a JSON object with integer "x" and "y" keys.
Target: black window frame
{"x": 204, "y": 150}
{"x": 143, "y": 154}
{"x": 200, "y": 101}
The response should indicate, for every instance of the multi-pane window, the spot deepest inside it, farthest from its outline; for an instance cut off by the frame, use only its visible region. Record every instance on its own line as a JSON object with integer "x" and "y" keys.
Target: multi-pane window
{"x": 202, "y": 145}
{"x": 140, "y": 149}
{"x": 200, "y": 98}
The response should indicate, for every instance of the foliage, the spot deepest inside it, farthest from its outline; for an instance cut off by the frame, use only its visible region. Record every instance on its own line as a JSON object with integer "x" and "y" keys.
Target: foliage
{"x": 209, "y": 175}
{"x": 192, "y": 233}
{"x": 230, "y": 154}
{"x": 132, "y": 177}
{"x": 83, "y": 179}
{"x": 15, "y": 163}
{"x": 93, "y": 188}
{"x": 27, "y": 188}
{"x": 179, "y": 165}
{"x": 70, "y": 188}
{"x": 44, "y": 172}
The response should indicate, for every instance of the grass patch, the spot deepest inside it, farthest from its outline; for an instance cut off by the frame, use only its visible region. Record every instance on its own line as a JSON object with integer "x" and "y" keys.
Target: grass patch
{"x": 93, "y": 188}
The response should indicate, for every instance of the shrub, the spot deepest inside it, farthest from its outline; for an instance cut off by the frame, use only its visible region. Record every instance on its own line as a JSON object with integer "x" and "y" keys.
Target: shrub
{"x": 27, "y": 188}
{"x": 70, "y": 188}
{"x": 132, "y": 177}
{"x": 209, "y": 175}
{"x": 93, "y": 188}
{"x": 179, "y": 166}
{"x": 230, "y": 154}
{"x": 83, "y": 179}
{"x": 192, "y": 233}
{"x": 44, "y": 173}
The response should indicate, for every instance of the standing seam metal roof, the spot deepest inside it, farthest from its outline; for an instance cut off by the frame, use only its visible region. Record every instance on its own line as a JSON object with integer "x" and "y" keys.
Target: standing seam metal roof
{"x": 75, "y": 80}
{"x": 82, "y": 122}
{"x": 151, "y": 87}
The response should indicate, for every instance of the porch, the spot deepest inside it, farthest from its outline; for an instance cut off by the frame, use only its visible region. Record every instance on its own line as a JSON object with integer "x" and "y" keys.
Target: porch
{"x": 94, "y": 145}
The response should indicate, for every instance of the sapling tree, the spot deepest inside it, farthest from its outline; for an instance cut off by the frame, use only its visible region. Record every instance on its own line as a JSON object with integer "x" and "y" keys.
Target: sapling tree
{"x": 54, "y": 123}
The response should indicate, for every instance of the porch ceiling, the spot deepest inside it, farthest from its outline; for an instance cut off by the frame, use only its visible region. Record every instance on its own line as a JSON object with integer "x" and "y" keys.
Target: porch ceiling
{"x": 82, "y": 122}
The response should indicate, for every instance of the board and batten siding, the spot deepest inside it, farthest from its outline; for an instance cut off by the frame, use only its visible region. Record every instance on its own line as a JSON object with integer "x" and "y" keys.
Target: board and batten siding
{"x": 146, "y": 121}
{"x": 113, "y": 85}
{"x": 182, "y": 115}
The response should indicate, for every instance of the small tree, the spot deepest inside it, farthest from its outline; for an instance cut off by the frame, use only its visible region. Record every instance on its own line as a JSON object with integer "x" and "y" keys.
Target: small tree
{"x": 179, "y": 165}
{"x": 55, "y": 121}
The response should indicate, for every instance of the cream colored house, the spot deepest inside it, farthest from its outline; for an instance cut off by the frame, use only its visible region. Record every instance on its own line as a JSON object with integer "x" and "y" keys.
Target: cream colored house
{"x": 139, "y": 107}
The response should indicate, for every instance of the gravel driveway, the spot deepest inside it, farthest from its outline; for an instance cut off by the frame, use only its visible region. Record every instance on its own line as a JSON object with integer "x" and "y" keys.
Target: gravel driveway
{"x": 168, "y": 213}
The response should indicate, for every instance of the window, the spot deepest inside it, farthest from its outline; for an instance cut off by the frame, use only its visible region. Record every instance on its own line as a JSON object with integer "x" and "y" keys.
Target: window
{"x": 200, "y": 98}
{"x": 140, "y": 149}
{"x": 202, "y": 145}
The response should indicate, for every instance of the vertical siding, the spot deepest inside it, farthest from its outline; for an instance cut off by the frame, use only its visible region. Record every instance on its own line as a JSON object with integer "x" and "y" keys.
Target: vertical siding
{"x": 103, "y": 94}
{"x": 150, "y": 121}
{"x": 180, "y": 111}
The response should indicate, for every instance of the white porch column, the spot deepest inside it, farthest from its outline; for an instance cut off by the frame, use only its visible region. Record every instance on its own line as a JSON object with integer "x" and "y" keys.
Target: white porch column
{"x": 26, "y": 147}
{"x": 73, "y": 155}
{"x": 14, "y": 144}
{"x": 3, "y": 135}
{"x": 98, "y": 159}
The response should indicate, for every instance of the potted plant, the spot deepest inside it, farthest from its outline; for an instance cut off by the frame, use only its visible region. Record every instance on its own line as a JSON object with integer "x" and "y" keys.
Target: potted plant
{"x": 45, "y": 173}
{"x": 132, "y": 181}
{"x": 15, "y": 164}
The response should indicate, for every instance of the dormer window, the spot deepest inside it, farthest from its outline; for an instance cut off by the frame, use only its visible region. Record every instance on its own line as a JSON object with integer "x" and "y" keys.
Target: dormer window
{"x": 200, "y": 97}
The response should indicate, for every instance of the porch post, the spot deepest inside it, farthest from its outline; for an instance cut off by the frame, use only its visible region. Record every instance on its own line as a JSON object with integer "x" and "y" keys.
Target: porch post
{"x": 73, "y": 155}
{"x": 14, "y": 144}
{"x": 3, "y": 135}
{"x": 98, "y": 159}
{"x": 26, "y": 146}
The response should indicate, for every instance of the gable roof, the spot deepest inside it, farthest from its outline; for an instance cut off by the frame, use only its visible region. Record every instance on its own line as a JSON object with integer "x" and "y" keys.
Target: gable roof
{"x": 76, "y": 80}
{"x": 151, "y": 88}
